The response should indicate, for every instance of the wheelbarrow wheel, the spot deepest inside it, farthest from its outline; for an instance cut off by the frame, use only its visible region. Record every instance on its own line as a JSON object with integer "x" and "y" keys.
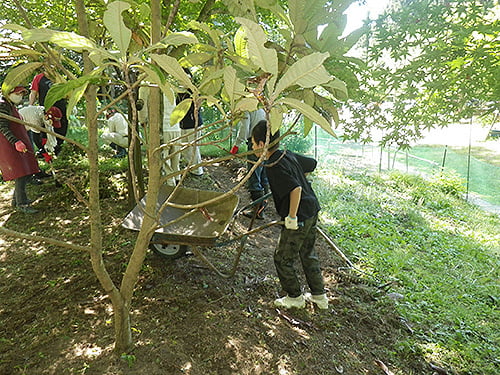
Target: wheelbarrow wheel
{"x": 166, "y": 250}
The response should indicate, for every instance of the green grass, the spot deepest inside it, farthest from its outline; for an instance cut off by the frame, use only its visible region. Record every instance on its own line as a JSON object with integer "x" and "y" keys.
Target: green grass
{"x": 441, "y": 253}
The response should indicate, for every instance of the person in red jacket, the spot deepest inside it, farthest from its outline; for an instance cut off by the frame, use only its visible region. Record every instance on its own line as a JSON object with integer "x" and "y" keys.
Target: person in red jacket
{"x": 17, "y": 159}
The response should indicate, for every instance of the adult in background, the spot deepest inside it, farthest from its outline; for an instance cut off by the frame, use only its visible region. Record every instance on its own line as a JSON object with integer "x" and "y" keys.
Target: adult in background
{"x": 257, "y": 184}
{"x": 170, "y": 150}
{"x": 17, "y": 159}
{"x": 51, "y": 120}
{"x": 188, "y": 124}
{"x": 116, "y": 133}
{"x": 39, "y": 88}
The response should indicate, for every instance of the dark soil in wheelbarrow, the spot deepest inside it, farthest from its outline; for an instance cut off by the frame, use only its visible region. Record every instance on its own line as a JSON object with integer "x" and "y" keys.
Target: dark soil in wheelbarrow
{"x": 56, "y": 319}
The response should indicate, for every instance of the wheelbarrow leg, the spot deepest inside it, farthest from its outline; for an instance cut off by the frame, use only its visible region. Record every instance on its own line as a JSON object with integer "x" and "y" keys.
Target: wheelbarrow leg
{"x": 231, "y": 273}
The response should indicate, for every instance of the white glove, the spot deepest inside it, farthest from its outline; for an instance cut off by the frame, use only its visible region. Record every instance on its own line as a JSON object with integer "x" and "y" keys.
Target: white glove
{"x": 291, "y": 223}
{"x": 51, "y": 141}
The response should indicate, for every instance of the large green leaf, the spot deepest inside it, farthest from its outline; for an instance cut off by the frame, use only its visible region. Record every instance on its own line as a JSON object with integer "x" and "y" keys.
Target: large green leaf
{"x": 239, "y": 8}
{"x": 244, "y": 64}
{"x": 307, "y": 72}
{"x": 309, "y": 97}
{"x": 26, "y": 52}
{"x": 212, "y": 81}
{"x": 328, "y": 108}
{"x": 179, "y": 38}
{"x": 75, "y": 98}
{"x": 350, "y": 40}
{"x": 14, "y": 27}
{"x": 172, "y": 67}
{"x": 19, "y": 76}
{"x": 180, "y": 111}
{"x": 247, "y": 104}
{"x": 233, "y": 87}
{"x": 63, "y": 90}
{"x": 276, "y": 118}
{"x": 308, "y": 125}
{"x": 309, "y": 112}
{"x": 197, "y": 58}
{"x": 338, "y": 88}
{"x": 241, "y": 43}
{"x": 174, "y": 39}
{"x": 63, "y": 39}
{"x": 297, "y": 11}
{"x": 215, "y": 35}
{"x": 156, "y": 76}
{"x": 329, "y": 37}
{"x": 263, "y": 57}
{"x": 113, "y": 21}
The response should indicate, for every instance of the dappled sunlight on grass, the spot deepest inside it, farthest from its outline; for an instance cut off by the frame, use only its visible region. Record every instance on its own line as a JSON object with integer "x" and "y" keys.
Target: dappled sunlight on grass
{"x": 436, "y": 247}
{"x": 434, "y": 352}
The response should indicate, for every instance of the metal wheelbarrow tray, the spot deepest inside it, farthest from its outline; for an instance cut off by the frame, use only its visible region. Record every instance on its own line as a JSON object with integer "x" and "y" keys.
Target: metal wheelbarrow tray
{"x": 201, "y": 226}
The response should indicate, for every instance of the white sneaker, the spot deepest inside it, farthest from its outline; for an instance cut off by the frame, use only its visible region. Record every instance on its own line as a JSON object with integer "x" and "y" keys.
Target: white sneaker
{"x": 288, "y": 302}
{"x": 197, "y": 172}
{"x": 320, "y": 300}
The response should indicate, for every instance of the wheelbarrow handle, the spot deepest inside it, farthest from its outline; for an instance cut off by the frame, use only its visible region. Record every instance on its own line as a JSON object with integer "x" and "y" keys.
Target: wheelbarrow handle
{"x": 254, "y": 203}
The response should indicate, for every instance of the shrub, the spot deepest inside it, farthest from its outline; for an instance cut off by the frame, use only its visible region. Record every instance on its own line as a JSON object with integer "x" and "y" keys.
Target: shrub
{"x": 448, "y": 183}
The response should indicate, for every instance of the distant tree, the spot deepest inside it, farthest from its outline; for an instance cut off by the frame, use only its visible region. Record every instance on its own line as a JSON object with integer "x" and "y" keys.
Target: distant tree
{"x": 431, "y": 62}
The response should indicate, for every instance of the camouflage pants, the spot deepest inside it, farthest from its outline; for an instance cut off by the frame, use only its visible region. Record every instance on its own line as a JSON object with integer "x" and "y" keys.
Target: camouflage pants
{"x": 294, "y": 245}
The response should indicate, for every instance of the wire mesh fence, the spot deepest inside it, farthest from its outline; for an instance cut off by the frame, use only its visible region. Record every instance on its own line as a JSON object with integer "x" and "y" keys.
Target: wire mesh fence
{"x": 475, "y": 166}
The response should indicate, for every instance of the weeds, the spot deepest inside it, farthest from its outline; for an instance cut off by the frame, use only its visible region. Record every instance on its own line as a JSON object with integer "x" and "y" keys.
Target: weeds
{"x": 442, "y": 252}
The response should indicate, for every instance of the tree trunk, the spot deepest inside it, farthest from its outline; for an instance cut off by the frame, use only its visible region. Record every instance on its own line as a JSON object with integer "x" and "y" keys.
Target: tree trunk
{"x": 122, "y": 323}
{"x": 123, "y": 334}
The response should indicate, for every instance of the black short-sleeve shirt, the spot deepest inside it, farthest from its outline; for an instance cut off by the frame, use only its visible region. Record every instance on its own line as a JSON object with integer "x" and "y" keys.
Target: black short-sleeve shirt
{"x": 285, "y": 171}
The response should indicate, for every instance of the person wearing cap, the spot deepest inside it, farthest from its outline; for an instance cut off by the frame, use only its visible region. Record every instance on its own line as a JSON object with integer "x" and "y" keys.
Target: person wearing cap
{"x": 116, "y": 134}
{"x": 298, "y": 206}
{"x": 39, "y": 88}
{"x": 17, "y": 159}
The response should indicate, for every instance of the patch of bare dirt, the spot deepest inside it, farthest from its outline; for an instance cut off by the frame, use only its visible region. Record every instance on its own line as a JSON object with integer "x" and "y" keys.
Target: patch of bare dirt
{"x": 56, "y": 319}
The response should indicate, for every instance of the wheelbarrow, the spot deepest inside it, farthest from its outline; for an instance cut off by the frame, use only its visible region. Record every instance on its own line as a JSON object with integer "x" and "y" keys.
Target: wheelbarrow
{"x": 210, "y": 225}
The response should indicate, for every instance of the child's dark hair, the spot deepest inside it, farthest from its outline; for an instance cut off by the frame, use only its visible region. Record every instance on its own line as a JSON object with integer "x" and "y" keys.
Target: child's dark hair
{"x": 259, "y": 133}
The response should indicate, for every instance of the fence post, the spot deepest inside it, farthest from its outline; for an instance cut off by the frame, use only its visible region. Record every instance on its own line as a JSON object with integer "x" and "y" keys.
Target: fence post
{"x": 316, "y": 142}
{"x": 380, "y": 160}
{"x": 444, "y": 159}
{"x": 468, "y": 160}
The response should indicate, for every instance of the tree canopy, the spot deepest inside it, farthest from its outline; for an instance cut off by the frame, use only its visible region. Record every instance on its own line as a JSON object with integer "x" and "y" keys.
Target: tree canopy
{"x": 274, "y": 45}
{"x": 430, "y": 62}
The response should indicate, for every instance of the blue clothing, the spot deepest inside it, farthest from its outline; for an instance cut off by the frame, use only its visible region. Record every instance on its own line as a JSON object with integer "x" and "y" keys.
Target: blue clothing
{"x": 258, "y": 179}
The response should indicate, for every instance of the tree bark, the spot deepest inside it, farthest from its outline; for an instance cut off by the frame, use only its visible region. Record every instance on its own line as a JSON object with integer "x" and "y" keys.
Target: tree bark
{"x": 123, "y": 335}
{"x": 150, "y": 218}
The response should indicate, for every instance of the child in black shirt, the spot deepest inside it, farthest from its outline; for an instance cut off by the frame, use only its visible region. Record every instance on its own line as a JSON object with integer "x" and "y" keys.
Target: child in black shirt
{"x": 297, "y": 204}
